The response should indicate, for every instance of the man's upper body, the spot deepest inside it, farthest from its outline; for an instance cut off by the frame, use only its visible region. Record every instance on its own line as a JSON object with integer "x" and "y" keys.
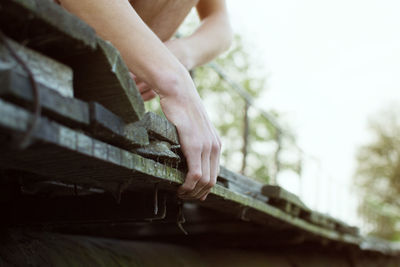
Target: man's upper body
{"x": 142, "y": 32}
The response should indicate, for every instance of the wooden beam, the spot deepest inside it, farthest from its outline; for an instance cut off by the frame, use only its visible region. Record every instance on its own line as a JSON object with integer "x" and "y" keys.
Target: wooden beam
{"x": 16, "y": 87}
{"x": 160, "y": 128}
{"x": 47, "y": 27}
{"x": 46, "y": 71}
{"x": 110, "y": 128}
{"x": 67, "y": 155}
{"x": 103, "y": 77}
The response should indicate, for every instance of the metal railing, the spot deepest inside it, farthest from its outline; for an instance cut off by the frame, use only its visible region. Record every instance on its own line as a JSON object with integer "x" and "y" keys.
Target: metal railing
{"x": 278, "y": 134}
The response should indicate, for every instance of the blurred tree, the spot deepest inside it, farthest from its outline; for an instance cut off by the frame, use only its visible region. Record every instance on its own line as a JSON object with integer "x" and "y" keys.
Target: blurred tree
{"x": 378, "y": 176}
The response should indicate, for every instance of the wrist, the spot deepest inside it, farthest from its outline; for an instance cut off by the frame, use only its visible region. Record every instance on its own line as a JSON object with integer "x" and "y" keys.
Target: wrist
{"x": 176, "y": 84}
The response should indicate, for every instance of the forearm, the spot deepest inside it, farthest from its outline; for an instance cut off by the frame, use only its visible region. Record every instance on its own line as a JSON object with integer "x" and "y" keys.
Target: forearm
{"x": 213, "y": 37}
{"x": 143, "y": 52}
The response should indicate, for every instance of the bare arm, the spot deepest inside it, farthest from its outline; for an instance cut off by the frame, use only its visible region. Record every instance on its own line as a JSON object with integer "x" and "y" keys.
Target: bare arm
{"x": 212, "y": 37}
{"x": 153, "y": 63}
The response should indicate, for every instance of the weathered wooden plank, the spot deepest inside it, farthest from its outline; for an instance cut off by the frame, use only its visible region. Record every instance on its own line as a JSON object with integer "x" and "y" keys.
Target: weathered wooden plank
{"x": 318, "y": 219}
{"x": 277, "y": 193}
{"x": 46, "y": 71}
{"x": 103, "y": 77}
{"x": 47, "y": 27}
{"x": 67, "y": 155}
{"x": 100, "y": 122}
{"x": 16, "y": 87}
{"x": 159, "y": 127}
{"x": 344, "y": 227}
{"x": 111, "y": 128}
{"x": 159, "y": 151}
{"x": 241, "y": 184}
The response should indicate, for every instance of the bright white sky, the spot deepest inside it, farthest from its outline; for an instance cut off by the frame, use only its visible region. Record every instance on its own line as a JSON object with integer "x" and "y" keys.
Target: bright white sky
{"x": 331, "y": 64}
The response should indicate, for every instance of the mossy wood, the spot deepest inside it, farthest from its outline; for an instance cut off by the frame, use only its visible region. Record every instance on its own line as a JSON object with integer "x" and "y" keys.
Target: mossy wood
{"x": 103, "y": 77}
{"x": 160, "y": 128}
{"x": 45, "y": 70}
{"x": 46, "y": 27}
{"x": 99, "y": 72}
{"x": 69, "y": 156}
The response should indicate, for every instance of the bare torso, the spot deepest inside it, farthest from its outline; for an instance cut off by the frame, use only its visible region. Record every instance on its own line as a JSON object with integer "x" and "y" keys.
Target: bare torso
{"x": 163, "y": 16}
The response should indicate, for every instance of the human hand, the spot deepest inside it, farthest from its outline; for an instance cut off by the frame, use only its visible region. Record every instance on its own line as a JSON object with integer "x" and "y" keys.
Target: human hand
{"x": 199, "y": 141}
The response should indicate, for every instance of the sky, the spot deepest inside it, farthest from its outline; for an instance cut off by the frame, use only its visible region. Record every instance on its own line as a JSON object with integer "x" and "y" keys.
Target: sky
{"x": 331, "y": 65}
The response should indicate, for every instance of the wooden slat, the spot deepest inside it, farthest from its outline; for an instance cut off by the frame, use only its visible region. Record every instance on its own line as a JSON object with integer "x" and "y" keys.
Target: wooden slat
{"x": 99, "y": 72}
{"x": 47, "y": 27}
{"x": 241, "y": 184}
{"x": 109, "y": 127}
{"x": 159, "y": 151}
{"x": 103, "y": 77}
{"x": 17, "y": 88}
{"x": 278, "y": 194}
{"x": 46, "y": 71}
{"x": 67, "y": 155}
{"x": 100, "y": 122}
{"x": 160, "y": 128}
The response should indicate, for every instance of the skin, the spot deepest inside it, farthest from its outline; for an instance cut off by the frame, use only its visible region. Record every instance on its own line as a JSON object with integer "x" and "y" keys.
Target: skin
{"x": 142, "y": 31}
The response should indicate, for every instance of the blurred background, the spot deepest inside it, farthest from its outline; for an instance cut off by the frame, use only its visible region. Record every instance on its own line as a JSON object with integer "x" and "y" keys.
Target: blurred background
{"x": 307, "y": 98}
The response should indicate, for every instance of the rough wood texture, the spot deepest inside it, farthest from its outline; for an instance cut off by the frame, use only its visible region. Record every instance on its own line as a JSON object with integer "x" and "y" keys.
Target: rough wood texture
{"x": 160, "y": 128}
{"x": 100, "y": 122}
{"x": 275, "y": 192}
{"x": 67, "y": 155}
{"x": 47, "y": 27}
{"x": 46, "y": 71}
{"x": 113, "y": 129}
{"x": 159, "y": 151}
{"x": 16, "y": 87}
{"x": 103, "y": 77}
{"x": 241, "y": 184}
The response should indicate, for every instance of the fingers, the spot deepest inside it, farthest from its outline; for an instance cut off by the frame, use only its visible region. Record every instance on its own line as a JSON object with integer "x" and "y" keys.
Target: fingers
{"x": 193, "y": 158}
{"x": 202, "y": 184}
{"x": 203, "y": 171}
{"x": 148, "y": 95}
{"x": 146, "y": 92}
{"x": 214, "y": 168}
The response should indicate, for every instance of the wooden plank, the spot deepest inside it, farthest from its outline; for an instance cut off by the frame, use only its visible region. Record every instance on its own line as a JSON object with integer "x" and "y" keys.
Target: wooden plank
{"x": 159, "y": 151}
{"x": 47, "y": 27}
{"x": 100, "y": 122}
{"x": 46, "y": 71}
{"x": 277, "y": 193}
{"x": 69, "y": 156}
{"x": 110, "y": 128}
{"x": 318, "y": 219}
{"x": 103, "y": 77}
{"x": 17, "y": 88}
{"x": 159, "y": 128}
{"x": 241, "y": 184}
{"x": 100, "y": 75}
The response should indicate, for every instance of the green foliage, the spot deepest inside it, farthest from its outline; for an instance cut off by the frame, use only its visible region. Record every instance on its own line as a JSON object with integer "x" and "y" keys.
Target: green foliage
{"x": 227, "y": 109}
{"x": 378, "y": 176}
